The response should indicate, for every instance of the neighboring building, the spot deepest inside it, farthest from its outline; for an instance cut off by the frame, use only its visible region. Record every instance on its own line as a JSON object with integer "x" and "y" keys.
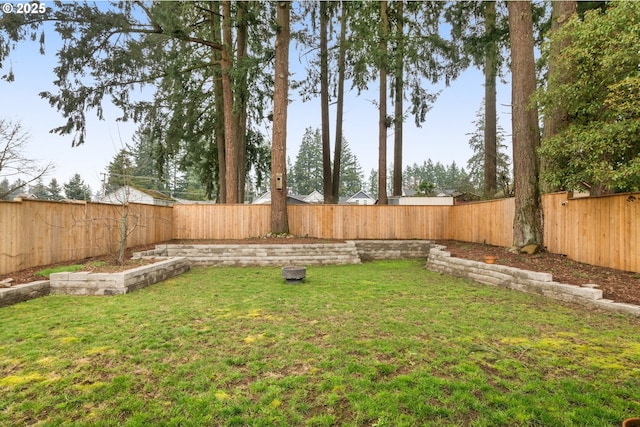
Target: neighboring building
{"x": 428, "y": 201}
{"x": 130, "y": 194}
{"x": 265, "y": 199}
{"x": 314, "y": 198}
{"x": 361, "y": 198}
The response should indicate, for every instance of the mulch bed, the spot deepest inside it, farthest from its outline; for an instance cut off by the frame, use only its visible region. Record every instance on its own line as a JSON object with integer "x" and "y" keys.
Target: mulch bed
{"x": 616, "y": 285}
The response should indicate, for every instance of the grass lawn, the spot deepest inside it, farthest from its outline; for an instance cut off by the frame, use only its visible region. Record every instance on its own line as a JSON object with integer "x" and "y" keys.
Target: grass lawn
{"x": 382, "y": 343}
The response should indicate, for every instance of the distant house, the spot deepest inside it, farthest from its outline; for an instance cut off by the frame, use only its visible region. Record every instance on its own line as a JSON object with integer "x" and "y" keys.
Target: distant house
{"x": 130, "y": 194}
{"x": 422, "y": 201}
{"x": 265, "y": 199}
{"x": 315, "y": 197}
{"x": 361, "y": 198}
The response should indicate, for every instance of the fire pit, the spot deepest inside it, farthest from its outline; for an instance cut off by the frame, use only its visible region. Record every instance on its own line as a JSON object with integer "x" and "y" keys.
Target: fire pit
{"x": 294, "y": 274}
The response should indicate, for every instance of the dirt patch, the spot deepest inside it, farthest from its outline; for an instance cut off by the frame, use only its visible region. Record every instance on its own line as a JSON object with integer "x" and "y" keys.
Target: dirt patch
{"x": 620, "y": 286}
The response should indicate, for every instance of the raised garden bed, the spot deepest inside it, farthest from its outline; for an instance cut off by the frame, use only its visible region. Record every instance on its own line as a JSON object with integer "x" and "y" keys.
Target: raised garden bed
{"x": 87, "y": 283}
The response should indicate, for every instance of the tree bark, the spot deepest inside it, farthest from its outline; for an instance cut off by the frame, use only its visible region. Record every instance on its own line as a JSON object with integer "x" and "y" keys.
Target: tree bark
{"x": 324, "y": 103}
{"x": 382, "y": 125}
{"x": 337, "y": 154}
{"x": 279, "y": 217}
{"x": 230, "y": 139}
{"x": 490, "y": 115}
{"x": 241, "y": 100}
{"x": 399, "y": 96}
{"x": 561, "y": 11}
{"x": 527, "y": 225}
{"x": 219, "y": 105}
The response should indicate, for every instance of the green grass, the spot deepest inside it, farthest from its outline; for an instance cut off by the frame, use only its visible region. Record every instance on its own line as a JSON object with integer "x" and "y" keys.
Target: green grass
{"x": 383, "y": 343}
{"x": 46, "y": 272}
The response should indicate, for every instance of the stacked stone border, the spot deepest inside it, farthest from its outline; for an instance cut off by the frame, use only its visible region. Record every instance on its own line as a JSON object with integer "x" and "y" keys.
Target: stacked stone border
{"x": 85, "y": 283}
{"x": 441, "y": 261}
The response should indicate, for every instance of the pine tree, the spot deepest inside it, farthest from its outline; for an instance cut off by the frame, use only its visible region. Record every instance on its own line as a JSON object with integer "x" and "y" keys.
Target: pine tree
{"x": 76, "y": 189}
{"x": 476, "y": 164}
{"x": 308, "y": 167}
{"x": 351, "y": 176}
{"x": 54, "y": 190}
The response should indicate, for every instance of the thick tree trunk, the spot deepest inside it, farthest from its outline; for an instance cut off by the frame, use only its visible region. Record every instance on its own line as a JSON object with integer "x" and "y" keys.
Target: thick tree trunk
{"x": 241, "y": 101}
{"x": 219, "y": 105}
{"x": 279, "y": 217}
{"x": 382, "y": 125}
{"x": 490, "y": 115}
{"x": 527, "y": 225}
{"x": 561, "y": 11}
{"x": 324, "y": 103}
{"x": 399, "y": 96}
{"x": 337, "y": 154}
{"x": 230, "y": 139}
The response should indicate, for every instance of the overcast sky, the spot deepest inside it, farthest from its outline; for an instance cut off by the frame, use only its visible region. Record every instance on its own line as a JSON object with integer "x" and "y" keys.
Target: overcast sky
{"x": 443, "y": 137}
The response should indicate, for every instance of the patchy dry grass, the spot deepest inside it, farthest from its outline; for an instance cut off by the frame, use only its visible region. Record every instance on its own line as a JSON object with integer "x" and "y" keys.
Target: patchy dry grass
{"x": 383, "y": 343}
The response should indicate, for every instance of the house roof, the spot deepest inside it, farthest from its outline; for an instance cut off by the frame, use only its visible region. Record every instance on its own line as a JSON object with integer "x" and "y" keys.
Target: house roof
{"x": 361, "y": 195}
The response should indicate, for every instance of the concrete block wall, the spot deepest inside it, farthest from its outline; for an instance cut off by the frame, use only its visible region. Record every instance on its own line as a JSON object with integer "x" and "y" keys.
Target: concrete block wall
{"x": 392, "y": 249}
{"x": 522, "y": 280}
{"x": 86, "y": 283}
{"x": 24, "y": 292}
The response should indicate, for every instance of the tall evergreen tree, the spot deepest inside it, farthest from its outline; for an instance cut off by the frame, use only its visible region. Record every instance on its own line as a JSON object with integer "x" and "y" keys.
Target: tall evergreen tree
{"x": 527, "y": 224}
{"x": 351, "y": 176}
{"x": 279, "y": 216}
{"x": 307, "y": 171}
{"x": 477, "y": 163}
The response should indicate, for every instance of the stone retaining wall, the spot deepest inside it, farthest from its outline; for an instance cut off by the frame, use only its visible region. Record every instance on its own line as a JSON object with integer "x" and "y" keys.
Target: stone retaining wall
{"x": 392, "y": 249}
{"x": 85, "y": 283}
{"x": 522, "y": 280}
{"x": 24, "y": 292}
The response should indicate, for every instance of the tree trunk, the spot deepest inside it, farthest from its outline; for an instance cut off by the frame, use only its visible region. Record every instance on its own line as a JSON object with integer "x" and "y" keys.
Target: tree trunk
{"x": 527, "y": 225}
{"x": 490, "y": 116}
{"x": 241, "y": 100}
{"x": 399, "y": 96}
{"x": 219, "y": 105}
{"x": 337, "y": 154}
{"x": 230, "y": 139}
{"x": 382, "y": 125}
{"x": 279, "y": 218}
{"x": 561, "y": 11}
{"x": 324, "y": 103}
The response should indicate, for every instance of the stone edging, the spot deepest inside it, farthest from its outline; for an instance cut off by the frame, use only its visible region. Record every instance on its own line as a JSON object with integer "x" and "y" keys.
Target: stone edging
{"x": 85, "y": 283}
{"x": 523, "y": 280}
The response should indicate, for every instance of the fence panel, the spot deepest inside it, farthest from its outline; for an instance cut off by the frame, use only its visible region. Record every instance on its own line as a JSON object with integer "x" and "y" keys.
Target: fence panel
{"x": 220, "y": 221}
{"x": 34, "y": 233}
{"x": 489, "y": 222}
{"x": 601, "y": 231}
{"x": 369, "y": 222}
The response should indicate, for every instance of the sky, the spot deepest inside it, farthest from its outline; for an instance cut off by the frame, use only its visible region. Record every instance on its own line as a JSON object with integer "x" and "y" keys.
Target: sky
{"x": 444, "y": 137}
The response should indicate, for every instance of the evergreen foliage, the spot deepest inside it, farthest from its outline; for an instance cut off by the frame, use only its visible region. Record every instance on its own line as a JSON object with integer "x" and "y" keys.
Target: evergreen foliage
{"x": 598, "y": 142}
{"x": 475, "y": 164}
{"x": 76, "y": 189}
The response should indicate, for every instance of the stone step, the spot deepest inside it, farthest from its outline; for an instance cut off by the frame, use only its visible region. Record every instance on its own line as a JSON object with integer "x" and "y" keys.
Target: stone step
{"x": 350, "y": 252}
{"x": 275, "y": 261}
{"x": 256, "y": 252}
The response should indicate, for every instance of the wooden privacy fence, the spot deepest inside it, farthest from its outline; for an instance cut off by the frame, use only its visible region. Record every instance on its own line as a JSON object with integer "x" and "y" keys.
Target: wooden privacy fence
{"x": 34, "y": 233}
{"x": 601, "y": 231}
